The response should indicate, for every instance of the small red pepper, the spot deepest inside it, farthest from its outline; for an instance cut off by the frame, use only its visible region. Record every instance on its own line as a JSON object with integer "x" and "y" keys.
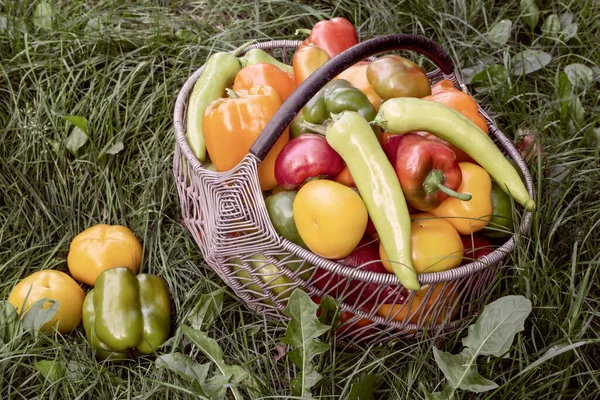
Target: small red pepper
{"x": 476, "y": 246}
{"x": 333, "y": 36}
{"x": 428, "y": 173}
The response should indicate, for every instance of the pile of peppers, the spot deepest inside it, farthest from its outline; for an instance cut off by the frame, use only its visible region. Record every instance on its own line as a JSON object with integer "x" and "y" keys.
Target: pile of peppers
{"x": 415, "y": 174}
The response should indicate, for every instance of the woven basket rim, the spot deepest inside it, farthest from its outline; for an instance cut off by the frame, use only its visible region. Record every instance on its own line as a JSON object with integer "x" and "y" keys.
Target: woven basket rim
{"x": 487, "y": 261}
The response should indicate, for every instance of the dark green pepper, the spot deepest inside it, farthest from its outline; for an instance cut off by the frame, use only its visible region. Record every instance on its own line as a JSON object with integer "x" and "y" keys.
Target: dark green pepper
{"x": 337, "y": 96}
{"x": 501, "y": 225}
{"x": 126, "y": 315}
{"x": 280, "y": 208}
{"x": 296, "y": 127}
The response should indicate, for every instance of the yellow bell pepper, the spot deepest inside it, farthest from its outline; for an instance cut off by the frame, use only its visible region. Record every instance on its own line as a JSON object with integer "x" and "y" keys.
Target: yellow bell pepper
{"x": 435, "y": 245}
{"x": 103, "y": 247}
{"x": 473, "y": 215}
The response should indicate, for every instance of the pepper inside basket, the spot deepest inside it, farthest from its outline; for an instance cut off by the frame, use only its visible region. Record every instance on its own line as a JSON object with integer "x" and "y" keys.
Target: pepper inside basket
{"x": 226, "y": 214}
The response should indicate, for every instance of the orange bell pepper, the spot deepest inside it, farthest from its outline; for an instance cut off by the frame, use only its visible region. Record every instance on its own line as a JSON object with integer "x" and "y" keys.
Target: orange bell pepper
{"x": 357, "y": 76}
{"x": 232, "y": 125}
{"x": 265, "y": 74}
{"x": 473, "y": 215}
{"x": 306, "y": 60}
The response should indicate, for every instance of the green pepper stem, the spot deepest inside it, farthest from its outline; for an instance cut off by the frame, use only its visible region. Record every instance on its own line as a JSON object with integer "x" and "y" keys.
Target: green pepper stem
{"x": 232, "y": 94}
{"x": 315, "y": 128}
{"x": 302, "y": 31}
{"x": 435, "y": 182}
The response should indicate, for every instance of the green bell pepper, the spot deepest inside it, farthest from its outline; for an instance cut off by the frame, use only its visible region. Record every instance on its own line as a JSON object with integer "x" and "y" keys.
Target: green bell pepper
{"x": 501, "y": 224}
{"x": 126, "y": 315}
{"x": 337, "y": 96}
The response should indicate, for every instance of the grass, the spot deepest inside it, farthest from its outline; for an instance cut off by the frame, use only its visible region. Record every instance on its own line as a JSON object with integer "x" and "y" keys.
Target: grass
{"x": 121, "y": 65}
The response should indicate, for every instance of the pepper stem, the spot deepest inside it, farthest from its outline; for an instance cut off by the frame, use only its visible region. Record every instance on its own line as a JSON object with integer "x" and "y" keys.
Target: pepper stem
{"x": 315, "y": 128}
{"x": 232, "y": 94}
{"x": 302, "y": 31}
{"x": 435, "y": 182}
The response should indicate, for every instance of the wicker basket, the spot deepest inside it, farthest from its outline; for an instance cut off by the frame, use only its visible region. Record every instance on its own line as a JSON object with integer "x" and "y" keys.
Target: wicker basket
{"x": 227, "y": 217}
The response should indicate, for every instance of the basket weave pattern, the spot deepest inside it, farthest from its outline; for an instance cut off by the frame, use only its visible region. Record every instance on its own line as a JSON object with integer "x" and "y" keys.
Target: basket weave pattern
{"x": 227, "y": 217}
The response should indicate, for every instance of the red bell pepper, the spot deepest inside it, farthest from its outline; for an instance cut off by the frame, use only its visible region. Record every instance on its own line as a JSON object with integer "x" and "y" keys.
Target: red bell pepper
{"x": 428, "y": 172}
{"x": 333, "y": 36}
{"x": 476, "y": 246}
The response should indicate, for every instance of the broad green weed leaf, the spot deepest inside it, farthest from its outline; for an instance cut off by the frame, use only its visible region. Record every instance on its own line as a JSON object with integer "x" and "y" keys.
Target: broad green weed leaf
{"x": 301, "y": 333}
{"x": 470, "y": 72}
{"x": 551, "y": 26}
{"x": 576, "y": 111}
{"x": 492, "y": 334}
{"x": 530, "y": 12}
{"x": 36, "y": 316}
{"x": 211, "y": 349}
{"x": 461, "y": 371}
{"x": 207, "y": 308}
{"x": 186, "y": 368}
{"x": 496, "y": 327}
{"x": 43, "y": 15}
{"x": 330, "y": 313}
{"x": 76, "y": 140}
{"x": 52, "y": 370}
{"x": 596, "y": 71}
{"x": 580, "y": 75}
{"x": 490, "y": 78}
{"x": 565, "y": 92}
{"x": 115, "y": 148}
{"x": 568, "y": 28}
{"x": 365, "y": 388}
{"x": 500, "y": 33}
{"x": 529, "y": 61}
{"x": 3, "y": 23}
{"x": 80, "y": 122}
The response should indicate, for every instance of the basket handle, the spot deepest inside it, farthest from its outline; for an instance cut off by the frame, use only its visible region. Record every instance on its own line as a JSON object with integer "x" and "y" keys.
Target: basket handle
{"x": 307, "y": 89}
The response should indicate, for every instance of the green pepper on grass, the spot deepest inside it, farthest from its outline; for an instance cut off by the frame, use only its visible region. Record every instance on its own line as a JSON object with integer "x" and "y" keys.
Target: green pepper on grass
{"x": 126, "y": 315}
{"x": 337, "y": 96}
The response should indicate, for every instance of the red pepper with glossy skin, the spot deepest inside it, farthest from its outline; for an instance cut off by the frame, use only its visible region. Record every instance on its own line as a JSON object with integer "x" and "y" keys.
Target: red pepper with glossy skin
{"x": 333, "y": 36}
{"x": 307, "y": 156}
{"x": 428, "y": 173}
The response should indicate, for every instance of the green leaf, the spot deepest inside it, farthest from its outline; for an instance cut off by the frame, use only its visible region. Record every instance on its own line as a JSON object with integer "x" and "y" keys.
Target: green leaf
{"x": 36, "y": 316}
{"x": 188, "y": 369}
{"x": 551, "y": 26}
{"x": 492, "y": 334}
{"x": 565, "y": 92}
{"x": 461, "y": 371}
{"x": 207, "y": 308}
{"x": 211, "y": 349}
{"x": 79, "y": 122}
{"x": 580, "y": 75}
{"x": 530, "y": 13}
{"x": 301, "y": 333}
{"x": 529, "y": 61}
{"x": 43, "y": 15}
{"x": 365, "y": 388}
{"x": 496, "y": 327}
{"x": 10, "y": 323}
{"x": 491, "y": 78}
{"x": 576, "y": 111}
{"x": 330, "y": 313}
{"x": 500, "y": 33}
{"x": 115, "y": 148}
{"x": 568, "y": 28}
{"x": 554, "y": 352}
{"x": 52, "y": 370}
{"x": 79, "y": 135}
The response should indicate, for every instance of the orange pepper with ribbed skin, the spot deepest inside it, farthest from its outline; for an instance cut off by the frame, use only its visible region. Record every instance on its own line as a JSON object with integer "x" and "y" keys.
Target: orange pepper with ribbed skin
{"x": 469, "y": 216}
{"x": 307, "y": 59}
{"x": 265, "y": 74}
{"x": 357, "y": 76}
{"x": 231, "y": 125}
